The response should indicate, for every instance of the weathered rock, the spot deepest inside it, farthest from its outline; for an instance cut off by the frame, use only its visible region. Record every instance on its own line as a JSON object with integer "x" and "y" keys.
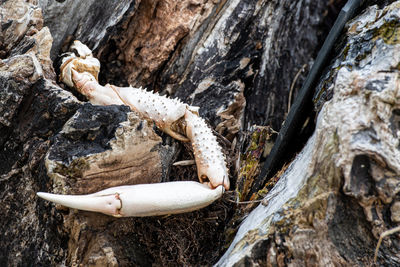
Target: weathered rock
{"x": 20, "y": 19}
{"x": 250, "y": 49}
{"x": 104, "y": 146}
{"x": 341, "y": 192}
{"x": 88, "y": 21}
{"x": 19, "y": 73}
{"x": 23, "y": 33}
{"x": 97, "y": 148}
{"x": 152, "y": 34}
{"x": 38, "y": 44}
{"x": 214, "y": 55}
{"x": 32, "y": 109}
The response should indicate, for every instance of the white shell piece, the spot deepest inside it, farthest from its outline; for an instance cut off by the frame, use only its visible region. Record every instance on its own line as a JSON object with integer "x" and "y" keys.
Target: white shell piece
{"x": 161, "y": 109}
{"x": 82, "y": 49}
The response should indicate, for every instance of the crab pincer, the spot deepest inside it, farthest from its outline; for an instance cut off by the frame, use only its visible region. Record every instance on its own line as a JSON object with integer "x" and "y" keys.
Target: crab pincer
{"x": 181, "y": 121}
{"x": 142, "y": 200}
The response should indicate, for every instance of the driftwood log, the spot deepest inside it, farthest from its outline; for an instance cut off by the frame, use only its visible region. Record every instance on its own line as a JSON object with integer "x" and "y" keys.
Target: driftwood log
{"x": 242, "y": 62}
{"x": 341, "y": 192}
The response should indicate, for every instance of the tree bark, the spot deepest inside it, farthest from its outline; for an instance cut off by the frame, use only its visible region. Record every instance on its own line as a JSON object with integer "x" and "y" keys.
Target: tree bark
{"x": 239, "y": 61}
{"x": 341, "y": 192}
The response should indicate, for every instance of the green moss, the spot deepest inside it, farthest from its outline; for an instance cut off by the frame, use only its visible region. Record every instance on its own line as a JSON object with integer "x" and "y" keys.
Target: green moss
{"x": 249, "y": 161}
{"x": 389, "y": 32}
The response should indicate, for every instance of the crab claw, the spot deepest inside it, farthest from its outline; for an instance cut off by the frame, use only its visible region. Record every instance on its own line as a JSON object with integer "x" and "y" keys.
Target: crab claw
{"x": 175, "y": 118}
{"x": 142, "y": 200}
{"x": 211, "y": 166}
{"x": 108, "y": 204}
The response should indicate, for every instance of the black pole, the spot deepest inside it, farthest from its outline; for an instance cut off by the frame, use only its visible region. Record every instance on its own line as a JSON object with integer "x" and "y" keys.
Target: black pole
{"x": 296, "y": 118}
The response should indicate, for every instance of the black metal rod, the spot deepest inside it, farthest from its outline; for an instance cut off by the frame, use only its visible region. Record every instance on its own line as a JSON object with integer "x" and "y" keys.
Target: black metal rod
{"x": 296, "y": 118}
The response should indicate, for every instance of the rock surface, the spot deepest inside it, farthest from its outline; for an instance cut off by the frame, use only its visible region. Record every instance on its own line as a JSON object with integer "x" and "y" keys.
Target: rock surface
{"x": 216, "y": 55}
{"x": 88, "y": 21}
{"x": 341, "y": 192}
{"x": 32, "y": 109}
{"x": 248, "y": 51}
{"x": 101, "y": 147}
{"x": 152, "y": 35}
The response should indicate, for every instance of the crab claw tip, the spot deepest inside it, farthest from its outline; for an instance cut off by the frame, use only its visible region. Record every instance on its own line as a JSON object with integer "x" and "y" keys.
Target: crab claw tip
{"x": 107, "y": 204}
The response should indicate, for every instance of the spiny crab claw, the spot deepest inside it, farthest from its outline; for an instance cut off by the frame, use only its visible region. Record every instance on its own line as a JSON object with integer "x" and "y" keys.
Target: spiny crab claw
{"x": 82, "y": 74}
{"x": 142, "y": 200}
{"x": 167, "y": 113}
{"x": 181, "y": 121}
{"x": 211, "y": 165}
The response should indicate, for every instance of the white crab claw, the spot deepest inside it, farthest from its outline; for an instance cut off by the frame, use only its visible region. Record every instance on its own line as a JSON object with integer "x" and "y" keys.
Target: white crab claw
{"x": 108, "y": 204}
{"x": 210, "y": 161}
{"x": 142, "y": 200}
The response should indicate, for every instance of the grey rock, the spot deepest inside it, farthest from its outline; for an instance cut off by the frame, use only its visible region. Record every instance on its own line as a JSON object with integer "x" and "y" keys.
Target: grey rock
{"x": 88, "y": 21}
